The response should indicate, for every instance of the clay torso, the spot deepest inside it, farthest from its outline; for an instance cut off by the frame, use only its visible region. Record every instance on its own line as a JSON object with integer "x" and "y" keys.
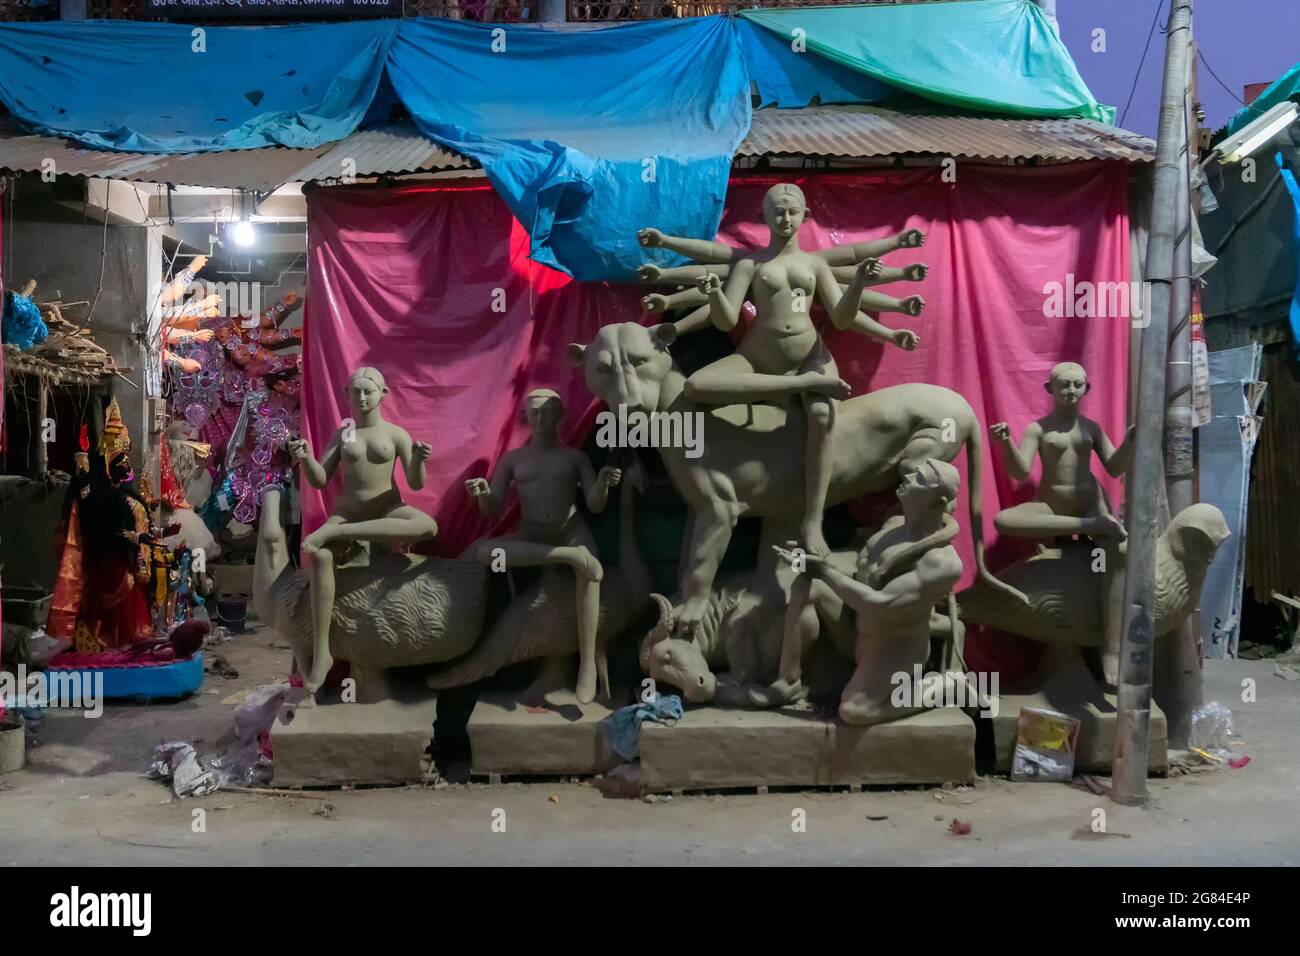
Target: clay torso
{"x": 938, "y": 570}
{"x": 545, "y": 479}
{"x": 782, "y": 336}
{"x": 367, "y": 465}
{"x": 1067, "y": 455}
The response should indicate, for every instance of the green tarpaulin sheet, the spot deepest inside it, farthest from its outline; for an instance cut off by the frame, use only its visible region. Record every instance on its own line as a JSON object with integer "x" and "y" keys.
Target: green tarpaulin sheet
{"x": 996, "y": 56}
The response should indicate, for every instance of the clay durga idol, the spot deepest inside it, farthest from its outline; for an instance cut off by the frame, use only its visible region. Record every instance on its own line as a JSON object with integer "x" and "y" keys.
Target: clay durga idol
{"x": 545, "y": 474}
{"x": 368, "y": 508}
{"x": 781, "y": 355}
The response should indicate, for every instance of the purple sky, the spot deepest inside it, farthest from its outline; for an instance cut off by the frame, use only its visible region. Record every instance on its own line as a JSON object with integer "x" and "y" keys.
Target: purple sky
{"x": 1244, "y": 41}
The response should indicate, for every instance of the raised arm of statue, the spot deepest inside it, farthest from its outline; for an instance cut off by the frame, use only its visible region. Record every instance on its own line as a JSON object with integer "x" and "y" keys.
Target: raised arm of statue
{"x": 905, "y": 339}
{"x": 687, "y": 275}
{"x": 659, "y": 303}
{"x": 857, "y": 251}
{"x": 693, "y": 322}
{"x": 701, "y": 250}
{"x": 596, "y": 486}
{"x": 871, "y": 301}
{"x": 915, "y": 272}
{"x": 413, "y": 455}
{"x": 1018, "y": 460}
{"x": 725, "y": 305}
{"x": 843, "y": 308}
{"x": 318, "y": 473}
{"x": 1116, "y": 461}
{"x": 491, "y": 498}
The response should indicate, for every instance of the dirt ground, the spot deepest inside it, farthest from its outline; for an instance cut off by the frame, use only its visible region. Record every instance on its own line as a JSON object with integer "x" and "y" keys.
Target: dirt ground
{"x": 83, "y": 800}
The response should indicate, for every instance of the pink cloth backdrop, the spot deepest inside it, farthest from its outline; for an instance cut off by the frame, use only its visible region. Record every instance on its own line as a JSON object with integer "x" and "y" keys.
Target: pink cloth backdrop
{"x": 406, "y": 279}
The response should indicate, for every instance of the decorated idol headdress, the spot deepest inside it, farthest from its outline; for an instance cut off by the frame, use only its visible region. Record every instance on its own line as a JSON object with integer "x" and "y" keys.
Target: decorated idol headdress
{"x": 115, "y": 439}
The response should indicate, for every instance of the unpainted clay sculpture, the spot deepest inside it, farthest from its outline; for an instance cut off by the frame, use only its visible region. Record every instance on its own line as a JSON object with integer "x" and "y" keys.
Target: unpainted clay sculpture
{"x": 545, "y": 474}
{"x": 1067, "y": 596}
{"x": 542, "y": 620}
{"x": 781, "y": 355}
{"x": 740, "y": 637}
{"x": 369, "y": 507}
{"x": 745, "y": 467}
{"x": 399, "y": 610}
{"x": 893, "y": 618}
{"x": 1069, "y": 500}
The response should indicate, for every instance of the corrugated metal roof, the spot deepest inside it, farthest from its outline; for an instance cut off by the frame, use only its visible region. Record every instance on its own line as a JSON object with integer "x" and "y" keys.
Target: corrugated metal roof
{"x": 398, "y": 148}
{"x": 864, "y": 132}
{"x": 831, "y": 132}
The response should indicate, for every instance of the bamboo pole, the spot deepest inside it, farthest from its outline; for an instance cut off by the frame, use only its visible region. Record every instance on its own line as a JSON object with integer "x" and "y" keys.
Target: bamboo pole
{"x": 1146, "y": 478}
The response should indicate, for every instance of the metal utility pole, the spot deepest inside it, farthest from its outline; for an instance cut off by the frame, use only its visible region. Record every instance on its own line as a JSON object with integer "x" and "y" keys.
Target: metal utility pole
{"x": 1178, "y": 670}
{"x": 1146, "y": 479}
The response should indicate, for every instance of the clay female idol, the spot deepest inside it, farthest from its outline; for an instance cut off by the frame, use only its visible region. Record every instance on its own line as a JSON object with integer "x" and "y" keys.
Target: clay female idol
{"x": 1069, "y": 500}
{"x": 781, "y": 354}
{"x": 368, "y": 507}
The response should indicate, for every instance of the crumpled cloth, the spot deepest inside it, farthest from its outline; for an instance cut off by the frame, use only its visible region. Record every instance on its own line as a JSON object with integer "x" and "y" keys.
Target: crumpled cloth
{"x": 623, "y": 727}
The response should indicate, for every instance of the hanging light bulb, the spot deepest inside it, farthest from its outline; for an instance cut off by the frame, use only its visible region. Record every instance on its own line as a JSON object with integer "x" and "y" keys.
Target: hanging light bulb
{"x": 244, "y": 234}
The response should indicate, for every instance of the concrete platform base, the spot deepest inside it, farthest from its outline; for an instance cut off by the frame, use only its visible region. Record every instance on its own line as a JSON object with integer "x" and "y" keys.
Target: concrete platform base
{"x": 334, "y": 744}
{"x": 562, "y": 737}
{"x": 1066, "y": 685}
{"x": 714, "y": 748}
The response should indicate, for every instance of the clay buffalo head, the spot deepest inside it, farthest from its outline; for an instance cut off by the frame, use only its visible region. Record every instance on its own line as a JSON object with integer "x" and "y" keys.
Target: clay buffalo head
{"x": 675, "y": 660}
{"x": 625, "y": 364}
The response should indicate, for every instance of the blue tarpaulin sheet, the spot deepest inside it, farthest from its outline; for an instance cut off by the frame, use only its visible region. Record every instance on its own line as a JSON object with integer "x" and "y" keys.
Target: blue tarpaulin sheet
{"x": 586, "y": 137}
{"x": 168, "y": 88}
{"x": 1293, "y": 190}
{"x": 788, "y": 78}
{"x": 587, "y": 134}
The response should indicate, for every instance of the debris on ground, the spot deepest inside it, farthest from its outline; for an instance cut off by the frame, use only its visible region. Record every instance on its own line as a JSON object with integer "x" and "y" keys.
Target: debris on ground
{"x": 958, "y": 828}
{"x": 1092, "y": 784}
{"x": 325, "y": 810}
{"x": 218, "y": 666}
{"x": 1236, "y": 763}
{"x": 1087, "y": 833}
{"x": 178, "y": 762}
{"x": 623, "y": 781}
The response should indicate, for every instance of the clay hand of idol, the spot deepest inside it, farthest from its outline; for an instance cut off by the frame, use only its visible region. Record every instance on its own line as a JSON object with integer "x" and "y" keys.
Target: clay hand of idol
{"x": 650, "y": 238}
{"x": 906, "y": 339}
{"x": 478, "y": 487}
{"x": 421, "y": 451}
{"x": 299, "y": 449}
{"x": 911, "y": 239}
{"x": 655, "y": 303}
{"x": 869, "y": 268}
{"x": 610, "y": 476}
{"x": 1000, "y": 432}
{"x": 709, "y": 283}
